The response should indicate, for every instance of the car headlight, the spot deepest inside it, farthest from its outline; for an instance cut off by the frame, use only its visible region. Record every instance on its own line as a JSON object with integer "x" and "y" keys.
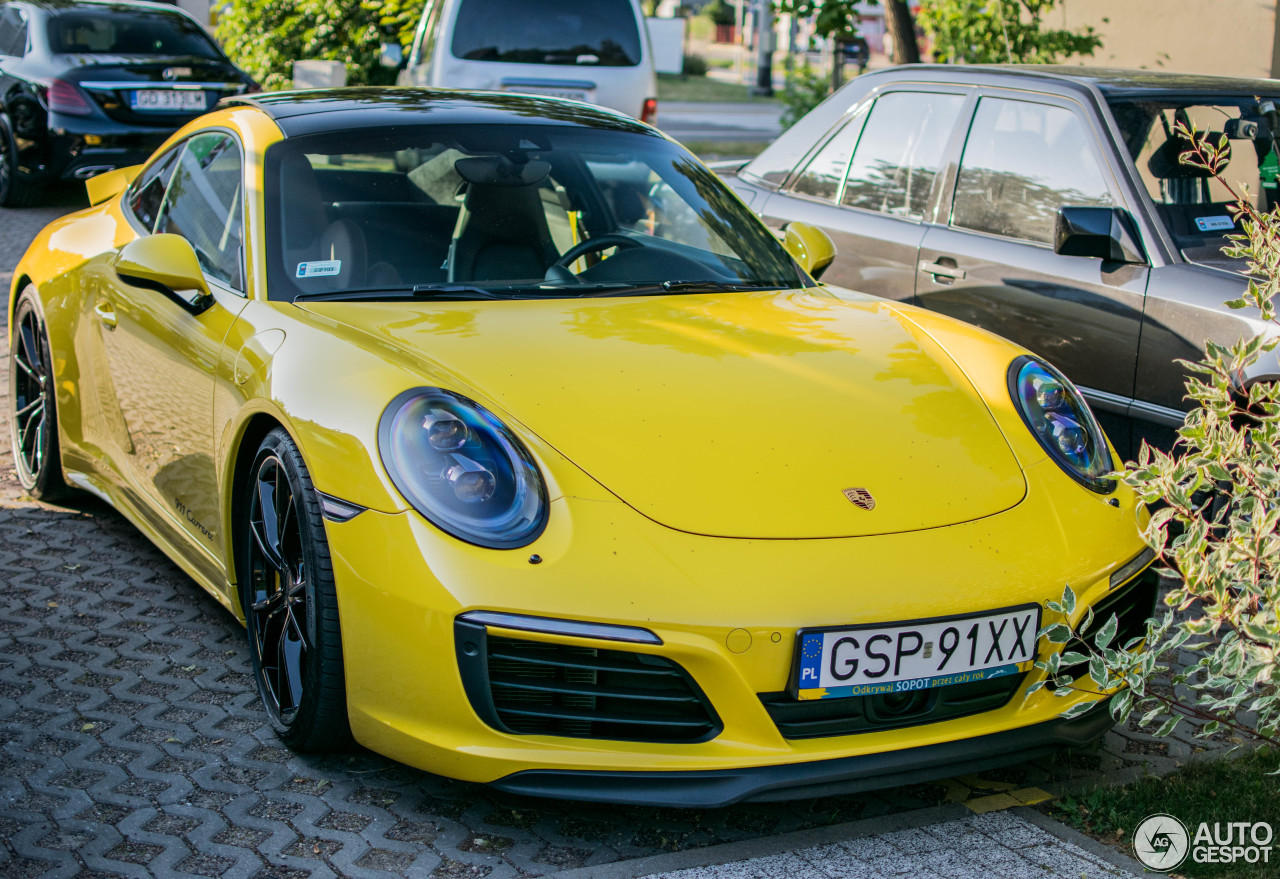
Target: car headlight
{"x": 461, "y": 468}
{"x": 1059, "y": 417}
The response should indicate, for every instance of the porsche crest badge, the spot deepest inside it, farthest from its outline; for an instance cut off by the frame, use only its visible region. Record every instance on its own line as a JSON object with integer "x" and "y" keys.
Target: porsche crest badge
{"x": 860, "y": 497}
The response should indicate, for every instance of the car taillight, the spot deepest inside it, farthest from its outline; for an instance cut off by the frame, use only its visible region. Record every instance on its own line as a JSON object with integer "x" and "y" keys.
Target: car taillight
{"x": 63, "y": 97}
{"x": 649, "y": 111}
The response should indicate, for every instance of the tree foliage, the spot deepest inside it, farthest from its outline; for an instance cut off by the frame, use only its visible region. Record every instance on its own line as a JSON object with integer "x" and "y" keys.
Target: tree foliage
{"x": 1217, "y": 525}
{"x": 831, "y": 18}
{"x": 999, "y": 31}
{"x": 265, "y": 37}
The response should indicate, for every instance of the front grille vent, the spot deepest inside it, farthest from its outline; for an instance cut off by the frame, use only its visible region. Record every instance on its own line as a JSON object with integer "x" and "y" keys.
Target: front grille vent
{"x": 814, "y": 718}
{"x": 541, "y": 688}
{"x": 1133, "y": 604}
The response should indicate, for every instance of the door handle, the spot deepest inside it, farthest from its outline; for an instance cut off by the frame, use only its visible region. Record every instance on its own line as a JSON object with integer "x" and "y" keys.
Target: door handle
{"x": 941, "y": 269}
{"x": 105, "y": 314}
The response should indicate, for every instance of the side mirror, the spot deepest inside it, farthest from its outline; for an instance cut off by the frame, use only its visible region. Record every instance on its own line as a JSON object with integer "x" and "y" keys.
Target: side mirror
{"x": 104, "y": 186}
{"x": 167, "y": 263}
{"x": 391, "y": 55}
{"x": 812, "y": 248}
{"x": 1102, "y": 233}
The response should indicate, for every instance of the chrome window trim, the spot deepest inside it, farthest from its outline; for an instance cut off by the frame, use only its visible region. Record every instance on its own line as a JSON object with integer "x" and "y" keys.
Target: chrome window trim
{"x": 148, "y": 86}
{"x": 1158, "y": 414}
{"x": 1127, "y": 406}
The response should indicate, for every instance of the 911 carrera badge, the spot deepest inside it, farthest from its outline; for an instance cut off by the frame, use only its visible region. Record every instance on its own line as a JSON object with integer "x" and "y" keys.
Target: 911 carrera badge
{"x": 860, "y": 497}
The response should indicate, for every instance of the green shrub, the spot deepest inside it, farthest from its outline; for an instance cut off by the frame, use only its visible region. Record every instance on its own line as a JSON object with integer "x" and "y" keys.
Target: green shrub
{"x": 265, "y": 37}
{"x": 720, "y": 12}
{"x": 1217, "y": 526}
{"x": 805, "y": 89}
{"x": 694, "y": 65}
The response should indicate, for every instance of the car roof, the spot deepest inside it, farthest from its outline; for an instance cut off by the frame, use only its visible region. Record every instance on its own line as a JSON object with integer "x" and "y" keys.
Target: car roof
{"x": 315, "y": 111}
{"x": 111, "y": 5}
{"x": 1112, "y": 82}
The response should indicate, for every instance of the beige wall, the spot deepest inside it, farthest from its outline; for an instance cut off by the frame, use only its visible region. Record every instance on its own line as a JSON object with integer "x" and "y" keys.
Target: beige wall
{"x": 1228, "y": 37}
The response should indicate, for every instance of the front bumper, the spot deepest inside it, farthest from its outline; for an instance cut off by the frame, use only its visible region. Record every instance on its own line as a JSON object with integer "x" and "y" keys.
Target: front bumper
{"x": 77, "y": 156}
{"x": 822, "y": 778}
{"x": 726, "y": 611}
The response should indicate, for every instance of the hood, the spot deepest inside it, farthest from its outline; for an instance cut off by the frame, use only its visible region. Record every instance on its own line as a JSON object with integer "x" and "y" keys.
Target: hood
{"x": 1214, "y": 258}
{"x": 734, "y": 415}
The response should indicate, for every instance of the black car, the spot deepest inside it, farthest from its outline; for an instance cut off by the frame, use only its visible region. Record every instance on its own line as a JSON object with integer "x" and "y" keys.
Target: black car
{"x": 1046, "y": 204}
{"x": 89, "y": 87}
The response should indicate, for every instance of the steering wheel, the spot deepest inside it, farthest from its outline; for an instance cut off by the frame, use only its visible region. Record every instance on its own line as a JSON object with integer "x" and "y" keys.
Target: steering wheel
{"x": 591, "y": 245}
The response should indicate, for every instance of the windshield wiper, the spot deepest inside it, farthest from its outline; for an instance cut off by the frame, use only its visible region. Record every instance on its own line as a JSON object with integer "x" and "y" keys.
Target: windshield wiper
{"x": 674, "y": 287}
{"x": 417, "y": 291}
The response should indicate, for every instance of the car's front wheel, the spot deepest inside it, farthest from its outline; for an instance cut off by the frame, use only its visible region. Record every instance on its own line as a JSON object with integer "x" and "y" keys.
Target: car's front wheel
{"x": 15, "y": 192}
{"x": 33, "y": 420}
{"x": 290, "y": 601}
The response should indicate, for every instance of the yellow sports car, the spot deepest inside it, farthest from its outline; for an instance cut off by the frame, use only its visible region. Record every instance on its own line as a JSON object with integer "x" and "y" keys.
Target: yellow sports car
{"x": 529, "y": 456}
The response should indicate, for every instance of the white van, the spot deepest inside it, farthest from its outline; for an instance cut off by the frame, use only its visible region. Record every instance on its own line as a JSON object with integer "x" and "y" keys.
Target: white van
{"x": 588, "y": 50}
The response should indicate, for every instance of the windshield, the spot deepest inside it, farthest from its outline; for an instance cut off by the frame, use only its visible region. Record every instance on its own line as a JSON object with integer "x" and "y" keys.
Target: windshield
{"x": 115, "y": 31}
{"x": 602, "y": 32}
{"x": 1192, "y": 204}
{"x": 522, "y": 209}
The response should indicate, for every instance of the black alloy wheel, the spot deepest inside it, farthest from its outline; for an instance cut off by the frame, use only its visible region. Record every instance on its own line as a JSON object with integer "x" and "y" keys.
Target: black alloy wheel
{"x": 290, "y": 603}
{"x": 14, "y": 191}
{"x": 33, "y": 419}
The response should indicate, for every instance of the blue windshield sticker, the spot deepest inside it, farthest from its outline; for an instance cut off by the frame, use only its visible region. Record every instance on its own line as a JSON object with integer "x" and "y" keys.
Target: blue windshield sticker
{"x": 1214, "y": 224}
{"x": 320, "y": 269}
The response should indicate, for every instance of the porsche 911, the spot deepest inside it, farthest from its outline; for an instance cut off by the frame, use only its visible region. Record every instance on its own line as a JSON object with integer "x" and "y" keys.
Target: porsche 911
{"x": 527, "y": 455}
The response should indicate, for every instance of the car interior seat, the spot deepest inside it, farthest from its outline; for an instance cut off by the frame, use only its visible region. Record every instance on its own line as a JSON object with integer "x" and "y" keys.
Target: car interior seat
{"x": 309, "y": 235}
{"x": 502, "y": 234}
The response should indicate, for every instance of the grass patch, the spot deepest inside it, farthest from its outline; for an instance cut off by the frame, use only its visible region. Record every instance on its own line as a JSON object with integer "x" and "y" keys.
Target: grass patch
{"x": 674, "y": 87}
{"x": 711, "y": 150}
{"x": 1219, "y": 790}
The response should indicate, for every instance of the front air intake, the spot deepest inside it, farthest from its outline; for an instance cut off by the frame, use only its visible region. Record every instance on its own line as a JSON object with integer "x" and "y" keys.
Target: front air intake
{"x": 545, "y": 688}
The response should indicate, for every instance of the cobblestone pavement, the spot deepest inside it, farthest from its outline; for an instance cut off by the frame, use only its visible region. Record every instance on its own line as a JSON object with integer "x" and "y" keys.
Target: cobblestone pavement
{"x": 997, "y": 845}
{"x": 132, "y": 743}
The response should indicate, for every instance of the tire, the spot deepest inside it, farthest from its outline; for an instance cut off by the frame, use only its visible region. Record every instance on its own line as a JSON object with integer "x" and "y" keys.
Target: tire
{"x": 15, "y": 192}
{"x": 290, "y": 602}
{"x": 33, "y": 416}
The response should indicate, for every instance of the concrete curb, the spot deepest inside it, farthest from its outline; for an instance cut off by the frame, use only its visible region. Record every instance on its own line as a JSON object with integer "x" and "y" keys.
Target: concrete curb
{"x": 756, "y": 848}
{"x": 1078, "y": 839}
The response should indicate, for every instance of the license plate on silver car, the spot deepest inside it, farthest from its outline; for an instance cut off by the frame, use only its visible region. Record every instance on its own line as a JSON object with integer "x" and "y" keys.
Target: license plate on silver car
{"x": 554, "y": 93}
{"x": 921, "y": 655}
{"x": 168, "y": 100}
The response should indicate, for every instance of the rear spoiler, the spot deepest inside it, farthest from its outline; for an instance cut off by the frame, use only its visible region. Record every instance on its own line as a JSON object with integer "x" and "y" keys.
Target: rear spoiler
{"x": 104, "y": 186}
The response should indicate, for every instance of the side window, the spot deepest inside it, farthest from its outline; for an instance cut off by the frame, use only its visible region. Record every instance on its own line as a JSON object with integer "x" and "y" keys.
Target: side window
{"x": 147, "y": 193}
{"x": 1023, "y": 161}
{"x": 824, "y": 174}
{"x": 900, "y": 152}
{"x": 13, "y": 32}
{"x": 203, "y": 202}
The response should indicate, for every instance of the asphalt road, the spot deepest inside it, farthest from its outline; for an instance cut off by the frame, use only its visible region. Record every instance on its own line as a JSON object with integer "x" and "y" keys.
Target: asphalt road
{"x": 132, "y": 742}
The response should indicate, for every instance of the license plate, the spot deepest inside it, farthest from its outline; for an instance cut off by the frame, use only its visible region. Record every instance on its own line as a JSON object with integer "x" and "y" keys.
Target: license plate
{"x": 900, "y": 657}
{"x": 168, "y": 100}
{"x": 555, "y": 93}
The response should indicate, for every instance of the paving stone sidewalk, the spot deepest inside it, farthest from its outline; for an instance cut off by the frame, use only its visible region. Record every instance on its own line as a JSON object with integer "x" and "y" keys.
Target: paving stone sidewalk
{"x": 132, "y": 743}
{"x": 997, "y": 845}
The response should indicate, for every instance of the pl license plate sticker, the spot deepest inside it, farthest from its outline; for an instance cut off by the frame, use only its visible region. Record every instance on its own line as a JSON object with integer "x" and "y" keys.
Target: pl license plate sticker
{"x": 897, "y": 658}
{"x": 325, "y": 268}
{"x": 1214, "y": 224}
